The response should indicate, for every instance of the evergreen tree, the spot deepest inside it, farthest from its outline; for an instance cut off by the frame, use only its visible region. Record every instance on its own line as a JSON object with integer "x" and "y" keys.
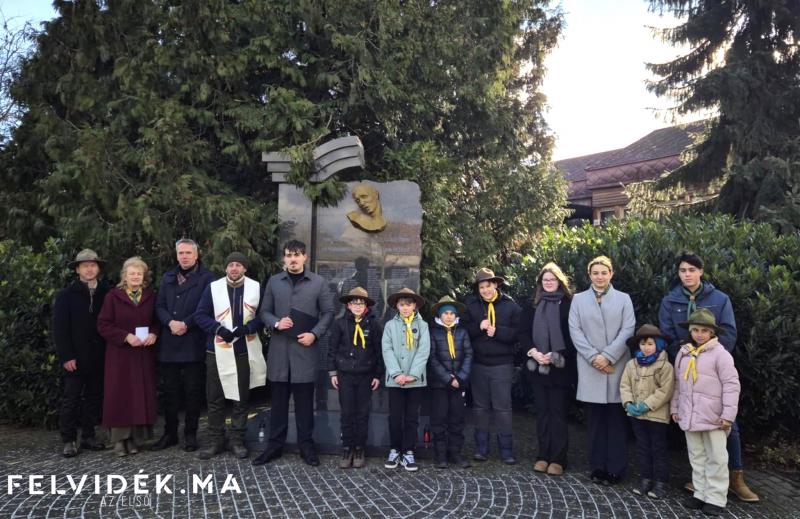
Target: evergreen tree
{"x": 743, "y": 63}
{"x": 146, "y": 121}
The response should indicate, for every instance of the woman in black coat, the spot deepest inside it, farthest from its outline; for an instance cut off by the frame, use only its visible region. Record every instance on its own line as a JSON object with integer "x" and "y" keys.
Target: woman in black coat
{"x": 545, "y": 330}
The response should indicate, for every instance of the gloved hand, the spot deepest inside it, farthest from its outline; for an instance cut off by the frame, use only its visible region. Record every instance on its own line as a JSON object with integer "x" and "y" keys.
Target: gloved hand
{"x": 641, "y": 408}
{"x": 241, "y": 331}
{"x": 226, "y": 334}
{"x": 632, "y": 410}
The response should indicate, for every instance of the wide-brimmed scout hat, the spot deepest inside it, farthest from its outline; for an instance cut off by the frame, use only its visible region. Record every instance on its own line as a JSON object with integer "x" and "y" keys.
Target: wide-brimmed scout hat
{"x": 449, "y": 301}
{"x": 487, "y": 274}
{"x": 86, "y": 255}
{"x": 701, "y": 317}
{"x": 644, "y": 331}
{"x": 405, "y": 293}
{"x": 357, "y": 293}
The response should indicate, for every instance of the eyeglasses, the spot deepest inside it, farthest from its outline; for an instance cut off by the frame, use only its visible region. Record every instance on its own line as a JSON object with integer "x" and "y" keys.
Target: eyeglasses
{"x": 357, "y": 303}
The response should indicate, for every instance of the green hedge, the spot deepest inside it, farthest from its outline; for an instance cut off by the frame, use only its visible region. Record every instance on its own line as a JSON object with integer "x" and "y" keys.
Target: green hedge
{"x": 30, "y": 381}
{"x": 758, "y": 268}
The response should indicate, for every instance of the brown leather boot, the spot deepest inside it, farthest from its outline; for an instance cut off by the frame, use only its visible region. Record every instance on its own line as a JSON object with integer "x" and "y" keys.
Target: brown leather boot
{"x": 740, "y": 488}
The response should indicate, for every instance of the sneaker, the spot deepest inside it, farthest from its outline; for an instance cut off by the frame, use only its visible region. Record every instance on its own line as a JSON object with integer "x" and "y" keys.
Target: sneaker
{"x": 393, "y": 460}
{"x": 408, "y": 461}
{"x": 644, "y": 487}
{"x": 659, "y": 490}
{"x": 70, "y": 451}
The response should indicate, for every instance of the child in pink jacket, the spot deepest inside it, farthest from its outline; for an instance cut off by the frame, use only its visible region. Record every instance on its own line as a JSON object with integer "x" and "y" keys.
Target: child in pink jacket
{"x": 704, "y": 405}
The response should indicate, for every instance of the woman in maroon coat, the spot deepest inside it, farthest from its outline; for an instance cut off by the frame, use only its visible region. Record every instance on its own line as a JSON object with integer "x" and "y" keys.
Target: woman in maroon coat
{"x": 129, "y": 401}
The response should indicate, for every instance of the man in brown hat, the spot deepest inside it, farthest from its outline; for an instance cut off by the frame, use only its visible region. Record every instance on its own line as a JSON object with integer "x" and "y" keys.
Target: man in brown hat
{"x": 81, "y": 352}
{"x": 492, "y": 319}
{"x": 355, "y": 365}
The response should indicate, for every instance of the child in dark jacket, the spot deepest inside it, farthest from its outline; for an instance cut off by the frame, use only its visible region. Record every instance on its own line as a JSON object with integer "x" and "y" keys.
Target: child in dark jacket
{"x": 355, "y": 365}
{"x": 449, "y": 368}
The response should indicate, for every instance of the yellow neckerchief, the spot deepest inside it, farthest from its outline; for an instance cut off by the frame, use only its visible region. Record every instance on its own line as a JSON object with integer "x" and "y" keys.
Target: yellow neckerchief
{"x": 135, "y": 295}
{"x": 694, "y": 352}
{"x": 490, "y": 312}
{"x": 409, "y": 332}
{"x": 451, "y": 343}
{"x": 359, "y": 333}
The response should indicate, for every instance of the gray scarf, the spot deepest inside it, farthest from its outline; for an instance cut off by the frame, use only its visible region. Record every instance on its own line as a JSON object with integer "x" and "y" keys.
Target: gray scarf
{"x": 547, "y": 323}
{"x": 547, "y": 335}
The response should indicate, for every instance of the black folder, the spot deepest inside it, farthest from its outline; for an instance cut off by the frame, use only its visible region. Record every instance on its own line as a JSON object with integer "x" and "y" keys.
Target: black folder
{"x": 303, "y": 322}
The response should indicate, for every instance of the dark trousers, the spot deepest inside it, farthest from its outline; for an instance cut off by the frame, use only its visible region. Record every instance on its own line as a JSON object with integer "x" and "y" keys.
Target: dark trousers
{"x": 491, "y": 397}
{"x": 404, "y": 417}
{"x": 355, "y": 394}
{"x": 183, "y": 381}
{"x": 608, "y": 437}
{"x": 447, "y": 420}
{"x": 551, "y": 403}
{"x": 81, "y": 405}
{"x": 734, "y": 446}
{"x": 303, "y": 414}
{"x": 651, "y": 449}
{"x": 216, "y": 400}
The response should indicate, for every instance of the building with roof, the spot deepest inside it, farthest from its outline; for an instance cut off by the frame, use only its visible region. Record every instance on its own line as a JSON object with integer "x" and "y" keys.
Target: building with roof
{"x": 597, "y": 182}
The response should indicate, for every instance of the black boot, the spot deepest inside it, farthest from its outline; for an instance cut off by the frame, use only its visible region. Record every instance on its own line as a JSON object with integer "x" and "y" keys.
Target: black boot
{"x": 506, "y": 442}
{"x": 168, "y": 440}
{"x": 440, "y": 454}
{"x": 270, "y": 453}
{"x": 481, "y": 445}
{"x": 190, "y": 442}
{"x": 347, "y": 458}
{"x": 209, "y": 452}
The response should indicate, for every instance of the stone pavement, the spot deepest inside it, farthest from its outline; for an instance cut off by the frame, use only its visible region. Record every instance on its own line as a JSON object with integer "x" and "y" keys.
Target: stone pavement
{"x": 289, "y": 488}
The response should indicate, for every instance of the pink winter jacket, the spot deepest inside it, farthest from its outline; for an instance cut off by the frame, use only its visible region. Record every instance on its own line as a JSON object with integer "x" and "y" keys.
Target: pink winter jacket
{"x": 714, "y": 396}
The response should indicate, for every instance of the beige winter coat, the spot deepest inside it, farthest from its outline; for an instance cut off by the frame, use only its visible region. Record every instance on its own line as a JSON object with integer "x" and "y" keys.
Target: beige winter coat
{"x": 651, "y": 384}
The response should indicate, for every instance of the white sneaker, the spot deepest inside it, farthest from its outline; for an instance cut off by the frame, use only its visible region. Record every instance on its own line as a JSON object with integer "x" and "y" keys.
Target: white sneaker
{"x": 393, "y": 459}
{"x": 408, "y": 461}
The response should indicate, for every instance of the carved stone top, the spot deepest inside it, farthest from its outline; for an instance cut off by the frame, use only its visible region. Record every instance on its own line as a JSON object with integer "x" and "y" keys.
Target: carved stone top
{"x": 329, "y": 158}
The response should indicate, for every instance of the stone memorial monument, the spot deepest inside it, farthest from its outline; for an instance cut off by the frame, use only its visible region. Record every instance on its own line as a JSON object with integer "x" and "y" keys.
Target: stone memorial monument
{"x": 371, "y": 238}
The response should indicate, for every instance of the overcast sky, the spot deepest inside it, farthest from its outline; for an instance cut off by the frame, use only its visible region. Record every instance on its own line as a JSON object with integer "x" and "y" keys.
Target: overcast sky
{"x": 596, "y": 77}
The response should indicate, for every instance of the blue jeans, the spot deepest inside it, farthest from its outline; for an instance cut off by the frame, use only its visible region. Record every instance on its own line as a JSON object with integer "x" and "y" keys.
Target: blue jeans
{"x": 735, "y": 448}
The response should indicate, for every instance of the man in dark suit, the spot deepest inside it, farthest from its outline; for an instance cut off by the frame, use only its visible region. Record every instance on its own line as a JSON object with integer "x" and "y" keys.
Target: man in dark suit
{"x": 182, "y": 352}
{"x": 81, "y": 353}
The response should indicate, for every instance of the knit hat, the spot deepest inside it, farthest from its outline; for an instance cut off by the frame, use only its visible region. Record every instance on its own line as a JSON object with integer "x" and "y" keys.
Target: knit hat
{"x": 701, "y": 317}
{"x": 405, "y": 293}
{"x": 487, "y": 274}
{"x": 357, "y": 293}
{"x": 238, "y": 257}
{"x": 86, "y": 255}
{"x": 644, "y": 331}
{"x": 446, "y": 303}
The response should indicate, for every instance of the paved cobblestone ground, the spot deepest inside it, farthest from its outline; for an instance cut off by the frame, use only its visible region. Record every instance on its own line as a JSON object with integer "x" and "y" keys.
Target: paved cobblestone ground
{"x": 289, "y": 488}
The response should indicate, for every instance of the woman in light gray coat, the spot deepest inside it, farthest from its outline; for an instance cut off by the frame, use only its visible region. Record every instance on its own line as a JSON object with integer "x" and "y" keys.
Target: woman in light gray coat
{"x": 601, "y": 319}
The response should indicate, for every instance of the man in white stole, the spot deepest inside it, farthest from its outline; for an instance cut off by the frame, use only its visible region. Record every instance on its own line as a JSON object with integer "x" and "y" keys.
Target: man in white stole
{"x": 228, "y": 312}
